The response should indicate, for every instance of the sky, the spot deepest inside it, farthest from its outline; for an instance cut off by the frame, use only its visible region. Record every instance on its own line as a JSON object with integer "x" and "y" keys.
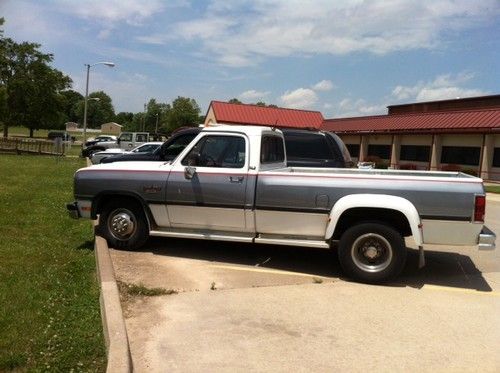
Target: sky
{"x": 340, "y": 57}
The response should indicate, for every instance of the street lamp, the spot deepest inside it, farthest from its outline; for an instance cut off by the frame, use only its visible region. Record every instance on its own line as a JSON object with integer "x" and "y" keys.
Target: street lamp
{"x": 109, "y": 64}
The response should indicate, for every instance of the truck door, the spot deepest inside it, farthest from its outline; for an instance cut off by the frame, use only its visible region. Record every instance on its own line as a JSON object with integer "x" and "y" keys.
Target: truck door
{"x": 206, "y": 188}
{"x": 126, "y": 140}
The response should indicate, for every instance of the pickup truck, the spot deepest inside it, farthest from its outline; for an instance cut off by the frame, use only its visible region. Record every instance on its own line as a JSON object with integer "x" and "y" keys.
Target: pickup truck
{"x": 232, "y": 183}
{"x": 126, "y": 141}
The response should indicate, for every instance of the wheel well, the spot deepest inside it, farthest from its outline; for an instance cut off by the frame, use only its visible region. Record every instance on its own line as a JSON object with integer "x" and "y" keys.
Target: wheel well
{"x": 104, "y": 198}
{"x": 393, "y": 218}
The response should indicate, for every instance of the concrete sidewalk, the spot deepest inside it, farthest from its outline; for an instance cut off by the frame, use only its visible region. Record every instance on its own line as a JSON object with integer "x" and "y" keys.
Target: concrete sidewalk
{"x": 329, "y": 327}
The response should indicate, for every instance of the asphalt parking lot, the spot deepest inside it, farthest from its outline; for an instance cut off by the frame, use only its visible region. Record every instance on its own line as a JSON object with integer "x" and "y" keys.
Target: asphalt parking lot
{"x": 270, "y": 308}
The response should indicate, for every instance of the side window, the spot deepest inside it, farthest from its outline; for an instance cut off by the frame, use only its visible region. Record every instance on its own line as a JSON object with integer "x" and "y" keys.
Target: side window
{"x": 141, "y": 138}
{"x": 272, "y": 150}
{"x": 217, "y": 151}
{"x": 126, "y": 137}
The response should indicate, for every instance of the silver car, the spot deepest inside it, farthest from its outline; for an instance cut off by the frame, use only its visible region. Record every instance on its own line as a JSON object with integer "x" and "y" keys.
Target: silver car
{"x": 147, "y": 147}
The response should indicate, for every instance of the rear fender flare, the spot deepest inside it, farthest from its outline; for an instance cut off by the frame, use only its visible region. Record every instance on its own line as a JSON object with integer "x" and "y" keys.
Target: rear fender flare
{"x": 381, "y": 201}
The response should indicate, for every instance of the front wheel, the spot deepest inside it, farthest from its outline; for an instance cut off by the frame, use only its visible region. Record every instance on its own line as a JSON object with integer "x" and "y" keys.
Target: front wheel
{"x": 372, "y": 252}
{"x": 123, "y": 224}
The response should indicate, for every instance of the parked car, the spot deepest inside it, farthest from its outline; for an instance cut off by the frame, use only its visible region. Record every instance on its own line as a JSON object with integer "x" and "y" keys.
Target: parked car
{"x": 91, "y": 145}
{"x": 147, "y": 148}
{"x": 167, "y": 152}
{"x": 100, "y": 138}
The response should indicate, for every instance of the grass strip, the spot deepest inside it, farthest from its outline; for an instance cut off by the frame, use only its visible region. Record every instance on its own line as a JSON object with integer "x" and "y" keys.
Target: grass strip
{"x": 49, "y": 295}
{"x": 492, "y": 188}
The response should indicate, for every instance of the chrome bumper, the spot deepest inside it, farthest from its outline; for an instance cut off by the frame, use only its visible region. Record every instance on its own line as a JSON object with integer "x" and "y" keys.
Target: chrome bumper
{"x": 487, "y": 239}
{"x": 73, "y": 210}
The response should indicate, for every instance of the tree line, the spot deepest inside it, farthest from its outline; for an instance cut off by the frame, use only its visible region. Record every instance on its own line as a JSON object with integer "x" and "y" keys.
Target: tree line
{"x": 35, "y": 95}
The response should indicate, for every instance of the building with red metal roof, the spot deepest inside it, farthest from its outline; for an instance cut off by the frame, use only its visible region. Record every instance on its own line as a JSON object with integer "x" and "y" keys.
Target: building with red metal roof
{"x": 228, "y": 113}
{"x": 469, "y": 121}
{"x": 453, "y": 135}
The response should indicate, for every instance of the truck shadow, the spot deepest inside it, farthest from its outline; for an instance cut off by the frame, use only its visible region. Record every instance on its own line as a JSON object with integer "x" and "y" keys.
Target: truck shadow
{"x": 442, "y": 268}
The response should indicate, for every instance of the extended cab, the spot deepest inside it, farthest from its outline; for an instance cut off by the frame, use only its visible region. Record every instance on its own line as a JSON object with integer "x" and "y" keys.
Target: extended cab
{"x": 232, "y": 183}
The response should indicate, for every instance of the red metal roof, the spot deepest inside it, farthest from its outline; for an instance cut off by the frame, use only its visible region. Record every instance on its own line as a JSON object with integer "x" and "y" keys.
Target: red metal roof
{"x": 486, "y": 120}
{"x": 266, "y": 116}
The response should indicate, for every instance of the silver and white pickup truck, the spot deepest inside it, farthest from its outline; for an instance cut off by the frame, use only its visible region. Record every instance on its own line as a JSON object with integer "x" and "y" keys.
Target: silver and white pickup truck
{"x": 231, "y": 183}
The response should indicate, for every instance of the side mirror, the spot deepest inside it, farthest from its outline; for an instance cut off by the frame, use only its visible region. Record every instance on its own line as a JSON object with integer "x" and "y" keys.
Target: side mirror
{"x": 189, "y": 172}
{"x": 118, "y": 141}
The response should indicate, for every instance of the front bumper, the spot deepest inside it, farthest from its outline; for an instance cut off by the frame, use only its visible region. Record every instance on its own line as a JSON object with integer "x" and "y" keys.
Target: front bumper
{"x": 73, "y": 210}
{"x": 81, "y": 208}
{"x": 487, "y": 239}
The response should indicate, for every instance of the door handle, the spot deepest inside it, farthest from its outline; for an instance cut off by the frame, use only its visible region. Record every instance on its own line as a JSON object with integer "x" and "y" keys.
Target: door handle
{"x": 236, "y": 179}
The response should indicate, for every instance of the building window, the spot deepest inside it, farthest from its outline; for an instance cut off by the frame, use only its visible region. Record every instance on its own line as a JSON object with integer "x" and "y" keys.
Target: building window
{"x": 466, "y": 155}
{"x": 417, "y": 153}
{"x": 353, "y": 149}
{"x": 381, "y": 151}
{"x": 496, "y": 157}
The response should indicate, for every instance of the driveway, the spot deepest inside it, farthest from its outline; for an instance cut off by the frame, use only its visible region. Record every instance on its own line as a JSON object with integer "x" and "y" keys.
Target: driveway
{"x": 269, "y": 308}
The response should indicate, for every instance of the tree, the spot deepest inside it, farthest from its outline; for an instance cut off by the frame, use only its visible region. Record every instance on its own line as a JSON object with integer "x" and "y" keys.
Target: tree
{"x": 155, "y": 111}
{"x": 234, "y": 101}
{"x": 32, "y": 86}
{"x": 3, "y": 107}
{"x": 100, "y": 109}
{"x": 184, "y": 112}
{"x": 124, "y": 118}
{"x": 71, "y": 102}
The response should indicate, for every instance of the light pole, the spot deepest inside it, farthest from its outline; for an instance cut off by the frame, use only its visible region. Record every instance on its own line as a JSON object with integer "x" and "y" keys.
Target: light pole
{"x": 156, "y": 130}
{"x": 110, "y": 64}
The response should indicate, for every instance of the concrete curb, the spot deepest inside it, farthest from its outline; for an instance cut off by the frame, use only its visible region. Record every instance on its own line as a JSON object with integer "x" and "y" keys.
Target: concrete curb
{"x": 113, "y": 323}
{"x": 493, "y": 197}
{"x": 115, "y": 332}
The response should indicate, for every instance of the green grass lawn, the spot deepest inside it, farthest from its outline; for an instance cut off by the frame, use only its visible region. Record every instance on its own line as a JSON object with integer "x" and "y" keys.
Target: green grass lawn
{"x": 492, "y": 188}
{"x": 49, "y": 295}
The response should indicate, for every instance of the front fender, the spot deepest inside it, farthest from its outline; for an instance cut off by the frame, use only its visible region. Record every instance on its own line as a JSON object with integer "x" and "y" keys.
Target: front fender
{"x": 381, "y": 201}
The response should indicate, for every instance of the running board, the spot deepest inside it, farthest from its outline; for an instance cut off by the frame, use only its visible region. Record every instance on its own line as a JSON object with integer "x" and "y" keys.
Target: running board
{"x": 231, "y": 236}
{"x": 293, "y": 242}
{"x": 203, "y": 236}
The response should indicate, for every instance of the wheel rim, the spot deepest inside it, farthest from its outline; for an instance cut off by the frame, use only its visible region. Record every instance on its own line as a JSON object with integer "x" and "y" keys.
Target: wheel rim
{"x": 121, "y": 224}
{"x": 371, "y": 252}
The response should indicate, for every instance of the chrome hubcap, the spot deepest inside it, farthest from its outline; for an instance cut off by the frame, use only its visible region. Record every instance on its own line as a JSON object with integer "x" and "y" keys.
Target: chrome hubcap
{"x": 121, "y": 224}
{"x": 371, "y": 252}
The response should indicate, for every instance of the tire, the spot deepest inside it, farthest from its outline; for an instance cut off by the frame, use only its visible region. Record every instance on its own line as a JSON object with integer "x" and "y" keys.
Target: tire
{"x": 123, "y": 224}
{"x": 372, "y": 252}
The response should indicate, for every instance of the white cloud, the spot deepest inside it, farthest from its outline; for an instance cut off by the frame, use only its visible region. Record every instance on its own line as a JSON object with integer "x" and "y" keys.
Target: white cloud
{"x": 324, "y": 85}
{"x": 130, "y": 11}
{"x": 360, "y": 107}
{"x": 443, "y": 87}
{"x": 253, "y": 95}
{"x": 301, "y": 98}
{"x": 240, "y": 32}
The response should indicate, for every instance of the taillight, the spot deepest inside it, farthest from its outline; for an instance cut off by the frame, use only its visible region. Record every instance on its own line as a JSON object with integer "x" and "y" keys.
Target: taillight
{"x": 479, "y": 208}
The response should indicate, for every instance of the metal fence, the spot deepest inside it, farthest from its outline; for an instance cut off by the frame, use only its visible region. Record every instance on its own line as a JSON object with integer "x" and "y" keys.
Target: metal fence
{"x": 32, "y": 146}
